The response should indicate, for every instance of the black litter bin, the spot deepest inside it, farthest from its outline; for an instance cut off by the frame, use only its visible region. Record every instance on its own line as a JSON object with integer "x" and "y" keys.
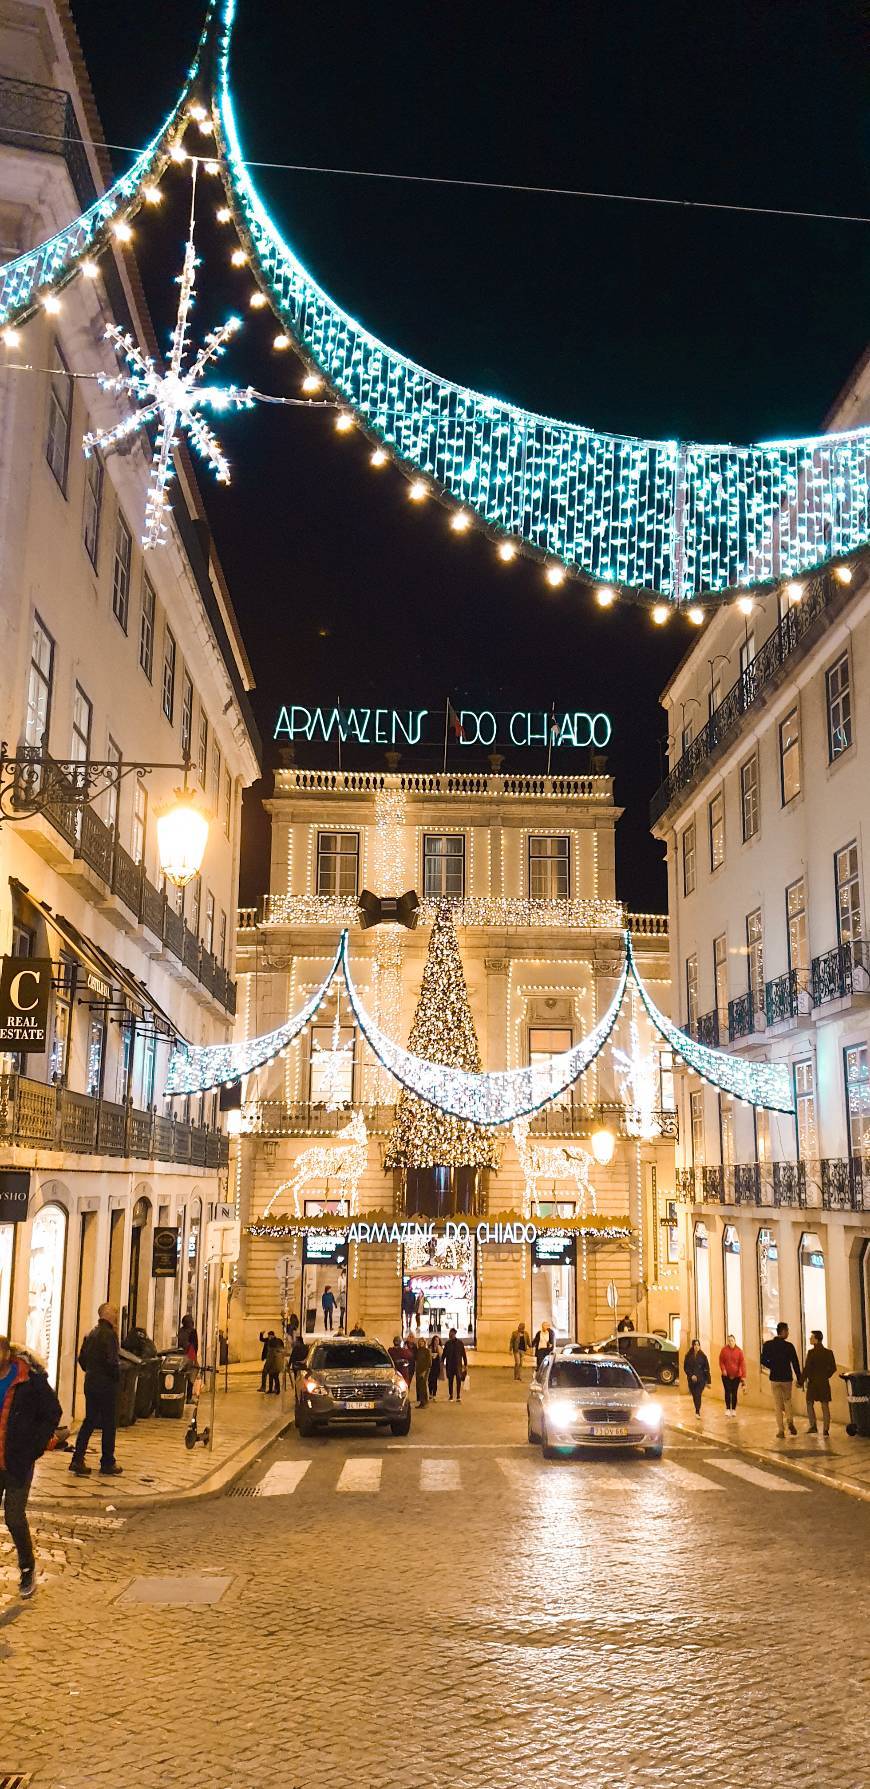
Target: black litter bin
{"x": 146, "y": 1386}
{"x": 858, "y": 1393}
{"x": 172, "y": 1377}
{"x": 126, "y": 1399}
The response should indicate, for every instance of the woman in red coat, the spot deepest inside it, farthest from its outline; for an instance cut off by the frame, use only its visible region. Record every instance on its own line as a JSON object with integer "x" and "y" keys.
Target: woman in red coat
{"x": 732, "y": 1366}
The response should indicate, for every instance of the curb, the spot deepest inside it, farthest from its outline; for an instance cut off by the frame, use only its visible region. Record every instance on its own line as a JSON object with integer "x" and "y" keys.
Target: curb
{"x": 231, "y": 1468}
{"x": 833, "y": 1483}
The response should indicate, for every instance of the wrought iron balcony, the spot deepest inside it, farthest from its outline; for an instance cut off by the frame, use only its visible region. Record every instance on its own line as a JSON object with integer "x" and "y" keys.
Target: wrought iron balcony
{"x": 845, "y": 1184}
{"x": 820, "y": 593}
{"x": 747, "y": 1183}
{"x": 685, "y": 1186}
{"x": 707, "y": 1029}
{"x": 790, "y": 1183}
{"x": 713, "y": 1185}
{"x": 43, "y": 119}
{"x": 742, "y": 1016}
{"x": 841, "y": 972}
{"x": 781, "y": 996}
{"x": 49, "y": 1117}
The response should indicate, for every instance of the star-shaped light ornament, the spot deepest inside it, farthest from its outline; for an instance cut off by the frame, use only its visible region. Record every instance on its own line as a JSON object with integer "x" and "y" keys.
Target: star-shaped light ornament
{"x": 173, "y": 399}
{"x": 336, "y": 1065}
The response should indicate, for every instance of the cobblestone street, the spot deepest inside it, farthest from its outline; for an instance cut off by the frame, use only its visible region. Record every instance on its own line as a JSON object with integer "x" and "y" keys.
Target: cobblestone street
{"x": 452, "y": 1609}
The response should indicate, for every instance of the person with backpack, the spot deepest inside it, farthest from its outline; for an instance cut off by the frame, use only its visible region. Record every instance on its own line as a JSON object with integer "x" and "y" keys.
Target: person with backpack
{"x": 29, "y": 1415}
{"x": 99, "y": 1358}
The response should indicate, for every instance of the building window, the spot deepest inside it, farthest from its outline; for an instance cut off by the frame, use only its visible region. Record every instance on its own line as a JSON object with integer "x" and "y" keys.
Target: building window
{"x": 139, "y": 831}
{"x": 169, "y": 656}
{"x": 749, "y": 797}
{"x": 726, "y": 1128}
{"x": 337, "y": 863}
{"x": 329, "y": 1085}
{"x": 761, "y": 1124}
{"x": 716, "y": 813}
{"x": 715, "y": 697}
{"x": 186, "y": 714}
{"x": 805, "y": 1110}
{"x": 839, "y": 702}
{"x": 548, "y": 869}
{"x": 121, "y": 563}
{"x": 60, "y": 396}
{"x": 208, "y": 935}
{"x": 796, "y": 921}
{"x": 689, "y": 859}
{"x": 222, "y": 940}
{"x": 39, "y": 687}
{"x": 545, "y": 1042}
{"x": 857, "y": 1068}
{"x": 113, "y": 791}
{"x": 215, "y": 776}
{"x": 747, "y": 655}
{"x": 443, "y": 864}
{"x": 814, "y": 1300}
{"x": 195, "y": 904}
{"x": 732, "y": 1283}
{"x": 667, "y": 1083}
{"x": 768, "y": 1282}
{"x": 228, "y": 804}
{"x": 146, "y": 629}
{"x": 790, "y": 756}
{"x": 202, "y": 746}
{"x": 848, "y": 894}
{"x": 93, "y": 502}
{"x": 692, "y": 994}
{"x": 696, "y": 1114}
{"x": 720, "y": 981}
{"x": 64, "y": 996}
{"x": 82, "y": 721}
{"x": 755, "y": 958}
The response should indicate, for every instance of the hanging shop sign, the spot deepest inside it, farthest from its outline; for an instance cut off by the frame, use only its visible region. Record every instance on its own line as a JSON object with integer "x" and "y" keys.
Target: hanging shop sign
{"x": 553, "y": 1250}
{"x": 577, "y": 727}
{"x": 25, "y": 988}
{"x": 14, "y": 1194}
{"x": 164, "y": 1253}
{"x": 96, "y": 985}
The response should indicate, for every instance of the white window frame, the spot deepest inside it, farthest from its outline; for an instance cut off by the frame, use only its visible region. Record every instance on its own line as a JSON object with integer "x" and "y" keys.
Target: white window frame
{"x": 122, "y": 565}
{"x": 716, "y": 830}
{"x": 790, "y": 756}
{"x": 59, "y": 425}
{"x": 443, "y": 853}
{"x": 689, "y": 858}
{"x": 555, "y": 861}
{"x": 750, "y": 798}
{"x": 838, "y": 707}
{"x": 92, "y": 507}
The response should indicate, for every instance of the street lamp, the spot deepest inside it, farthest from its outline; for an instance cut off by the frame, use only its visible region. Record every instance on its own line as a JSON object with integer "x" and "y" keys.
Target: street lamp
{"x": 182, "y": 836}
{"x": 603, "y": 1144}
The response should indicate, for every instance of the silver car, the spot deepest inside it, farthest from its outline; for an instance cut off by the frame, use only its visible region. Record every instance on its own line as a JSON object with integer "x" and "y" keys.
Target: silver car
{"x": 592, "y": 1400}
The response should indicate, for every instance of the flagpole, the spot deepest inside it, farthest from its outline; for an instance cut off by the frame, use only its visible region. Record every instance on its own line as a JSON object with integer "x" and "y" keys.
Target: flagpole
{"x": 550, "y": 735}
{"x": 446, "y": 731}
{"x": 338, "y": 730}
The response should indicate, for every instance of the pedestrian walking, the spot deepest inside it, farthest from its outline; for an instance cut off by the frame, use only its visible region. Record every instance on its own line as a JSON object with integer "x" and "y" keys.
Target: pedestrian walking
{"x": 275, "y": 1365}
{"x": 409, "y": 1305}
{"x": 291, "y": 1325}
{"x": 455, "y": 1365}
{"x": 422, "y": 1364}
{"x": 732, "y": 1366}
{"x": 29, "y": 1415}
{"x": 819, "y": 1368}
{"x": 419, "y": 1309}
{"x": 99, "y": 1358}
{"x": 267, "y": 1337}
{"x": 697, "y": 1370}
{"x": 543, "y": 1342}
{"x": 402, "y": 1358}
{"x": 437, "y": 1353}
{"x": 519, "y": 1345}
{"x": 327, "y": 1305}
{"x": 781, "y": 1362}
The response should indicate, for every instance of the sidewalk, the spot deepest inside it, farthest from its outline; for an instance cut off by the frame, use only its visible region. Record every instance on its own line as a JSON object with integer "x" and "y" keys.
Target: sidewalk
{"x": 157, "y": 1466}
{"x": 842, "y": 1460}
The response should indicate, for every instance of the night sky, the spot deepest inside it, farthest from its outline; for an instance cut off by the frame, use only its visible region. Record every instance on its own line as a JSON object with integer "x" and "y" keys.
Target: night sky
{"x": 625, "y": 317}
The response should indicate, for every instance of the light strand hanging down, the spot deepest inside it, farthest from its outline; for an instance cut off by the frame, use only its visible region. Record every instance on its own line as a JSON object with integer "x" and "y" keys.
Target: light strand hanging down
{"x": 195, "y": 1068}
{"x": 677, "y": 519}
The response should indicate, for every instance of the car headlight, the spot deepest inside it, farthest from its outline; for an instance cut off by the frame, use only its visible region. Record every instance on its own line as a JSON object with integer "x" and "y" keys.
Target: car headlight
{"x": 400, "y": 1386}
{"x": 650, "y": 1414}
{"x": 316, "y": 1390}
{"x": 561, "y": 1412}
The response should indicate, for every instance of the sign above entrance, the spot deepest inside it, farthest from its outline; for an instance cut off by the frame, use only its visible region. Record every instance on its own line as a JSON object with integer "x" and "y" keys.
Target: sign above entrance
{"x": 25, "y": 986}
{"x": 14, "y": 1194}
{"x": 578, "y": 727}
{"x": 321, "y": 1240}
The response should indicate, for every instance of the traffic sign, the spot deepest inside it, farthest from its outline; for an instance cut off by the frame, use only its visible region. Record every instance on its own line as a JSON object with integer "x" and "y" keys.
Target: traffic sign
{"x": 283, "y": 1267}
{"x": 612, "y": 1294}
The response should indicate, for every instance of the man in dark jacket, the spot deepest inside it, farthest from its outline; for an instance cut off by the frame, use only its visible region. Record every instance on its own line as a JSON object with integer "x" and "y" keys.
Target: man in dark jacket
{"x": 779, "y": 1357}
{"x": 455, "y": 1365}
{"x": 29, "y": 1415}
{"x": 99, "y": 1357}
{"x": 819, "y": 1368}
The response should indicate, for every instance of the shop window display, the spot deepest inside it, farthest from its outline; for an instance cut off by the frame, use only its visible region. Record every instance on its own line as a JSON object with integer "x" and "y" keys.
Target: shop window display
{"x": 45, "y": 1286}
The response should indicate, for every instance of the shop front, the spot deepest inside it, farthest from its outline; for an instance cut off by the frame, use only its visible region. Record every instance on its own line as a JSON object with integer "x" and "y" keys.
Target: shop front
{"x": 439, "y": 1285}
{"x": 324, "y": 1270}
{"x": 554, "y": 1284}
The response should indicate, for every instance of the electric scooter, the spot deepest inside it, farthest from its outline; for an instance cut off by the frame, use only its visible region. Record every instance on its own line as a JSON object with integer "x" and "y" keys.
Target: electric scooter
{"x": 193, "y": 1434}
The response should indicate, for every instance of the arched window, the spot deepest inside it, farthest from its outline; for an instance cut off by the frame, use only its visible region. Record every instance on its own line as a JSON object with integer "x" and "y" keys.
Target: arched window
{"x": 767, "y": 1257}
{"x": 814, "y": 1297}
{"x": 702, "y": 1283}
{"x": 733, "y": 1286}
{"x": 45, "y": 1286}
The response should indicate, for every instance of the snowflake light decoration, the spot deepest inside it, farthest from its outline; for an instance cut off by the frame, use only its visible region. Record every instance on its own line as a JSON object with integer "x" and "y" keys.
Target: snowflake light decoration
{"x": 174, "y": 398}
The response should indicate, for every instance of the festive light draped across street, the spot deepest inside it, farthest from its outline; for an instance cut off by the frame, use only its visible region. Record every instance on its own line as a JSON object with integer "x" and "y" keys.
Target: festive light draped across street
{"x": 496, "y": 1097}
{"x": 671, "y": 523}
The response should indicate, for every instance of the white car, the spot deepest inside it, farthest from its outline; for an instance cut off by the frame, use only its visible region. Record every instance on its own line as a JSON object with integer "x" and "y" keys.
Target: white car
{"x": 592, "y": 1400}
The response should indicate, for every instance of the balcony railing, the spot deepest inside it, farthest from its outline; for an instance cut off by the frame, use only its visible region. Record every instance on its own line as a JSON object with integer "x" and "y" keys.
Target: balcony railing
{"x": 36, "y": 1115}
{"x": 742, "y": 1016}
{"x": 746, "y": 1184}
{"x": 127, "y": 878}
{"x": 840, "y": 972}
{"x": 781, "y": 996}
{"x": 43, "y": 119}
{"x": 820, "y": 593}
{"x": 96, "y": 843}
{"x": 281, "y": 1118}
{"x": 707, "y": 1029}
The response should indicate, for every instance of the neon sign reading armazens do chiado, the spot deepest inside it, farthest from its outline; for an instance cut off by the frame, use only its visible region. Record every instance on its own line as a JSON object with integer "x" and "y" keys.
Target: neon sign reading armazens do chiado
{"x": 416, "y": 726}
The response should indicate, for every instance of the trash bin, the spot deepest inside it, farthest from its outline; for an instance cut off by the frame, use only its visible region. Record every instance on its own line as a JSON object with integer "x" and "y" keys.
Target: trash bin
{"x": 146, "y": 1385}
{"x": 858, "y": 1393}
{"x": 126, "y": 1398}
{"x": 172, "y": 1375}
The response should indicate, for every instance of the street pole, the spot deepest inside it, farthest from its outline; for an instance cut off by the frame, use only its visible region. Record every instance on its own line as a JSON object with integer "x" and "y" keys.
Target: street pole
{"x": 216, "y": 1347}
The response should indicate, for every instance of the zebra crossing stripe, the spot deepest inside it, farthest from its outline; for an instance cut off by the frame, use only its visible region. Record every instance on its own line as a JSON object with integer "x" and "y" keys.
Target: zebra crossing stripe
{"x": 282, "y": 1479}
{"x": 754, "y": 1476}
{"x": 360, "y": 1475}
{"x": 440, "y": 1475}
{"x": 689, "y": 1481}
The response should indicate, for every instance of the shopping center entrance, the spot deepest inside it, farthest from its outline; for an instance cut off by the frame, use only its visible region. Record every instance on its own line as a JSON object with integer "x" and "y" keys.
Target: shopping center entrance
{"x": 439, "y": 1274}
{"x": 554, "y": 1285}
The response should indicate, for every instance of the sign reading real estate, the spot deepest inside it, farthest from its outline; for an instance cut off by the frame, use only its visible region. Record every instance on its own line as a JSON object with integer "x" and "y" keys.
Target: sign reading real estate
{"x": 14, "y": 1194}
{"x": 25, "y": 988}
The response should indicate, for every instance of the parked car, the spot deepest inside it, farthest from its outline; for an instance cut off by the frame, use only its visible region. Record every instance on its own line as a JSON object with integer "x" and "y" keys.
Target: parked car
{"x": 597, "y": 1400}
{"x": 346, "y": 1380}
{"x": 653, "y": 1357}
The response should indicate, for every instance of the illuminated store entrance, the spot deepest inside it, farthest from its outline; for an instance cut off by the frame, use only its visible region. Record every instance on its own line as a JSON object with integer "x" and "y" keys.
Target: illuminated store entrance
{"x": 324, "y": 1265}
{"x": 554, "y": 1285}
{"x": 439, "y": 1285}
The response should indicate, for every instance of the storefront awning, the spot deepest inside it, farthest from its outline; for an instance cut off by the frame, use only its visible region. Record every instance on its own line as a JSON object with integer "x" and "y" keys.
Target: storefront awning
{"x": 103, "y": 973}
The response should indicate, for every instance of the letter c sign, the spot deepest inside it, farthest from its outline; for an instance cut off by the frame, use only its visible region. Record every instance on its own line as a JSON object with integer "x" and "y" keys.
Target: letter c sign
{"x": 25, "y": 988}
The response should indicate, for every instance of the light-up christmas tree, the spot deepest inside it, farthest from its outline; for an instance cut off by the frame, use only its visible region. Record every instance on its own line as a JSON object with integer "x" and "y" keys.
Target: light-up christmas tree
{"x": 443, "y": 1031}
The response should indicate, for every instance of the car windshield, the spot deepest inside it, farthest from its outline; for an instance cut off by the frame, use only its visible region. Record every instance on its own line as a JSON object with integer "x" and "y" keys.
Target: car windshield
{"x": 586, "y": 1373}
{"x": 342, "y": 1355}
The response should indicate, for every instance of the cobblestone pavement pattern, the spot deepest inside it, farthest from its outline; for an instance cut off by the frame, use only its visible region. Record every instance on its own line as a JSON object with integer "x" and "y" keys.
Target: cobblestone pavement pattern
{"x": 453, "y": 1610}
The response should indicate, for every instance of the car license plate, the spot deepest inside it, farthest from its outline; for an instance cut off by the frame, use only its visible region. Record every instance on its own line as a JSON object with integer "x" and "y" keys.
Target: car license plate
{"x": 608, "y": 1429}
{"x": 358, "y": 1404}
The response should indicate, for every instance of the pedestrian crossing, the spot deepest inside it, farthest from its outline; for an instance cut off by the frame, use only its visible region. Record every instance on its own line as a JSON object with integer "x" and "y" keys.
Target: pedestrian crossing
{"x": 363, "y": 1475}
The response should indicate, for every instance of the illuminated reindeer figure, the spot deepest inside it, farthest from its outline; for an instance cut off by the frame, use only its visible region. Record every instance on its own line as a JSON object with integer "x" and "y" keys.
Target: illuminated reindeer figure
{"x": 549, "y": 1163}
{"x": 343, "y": 1160}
